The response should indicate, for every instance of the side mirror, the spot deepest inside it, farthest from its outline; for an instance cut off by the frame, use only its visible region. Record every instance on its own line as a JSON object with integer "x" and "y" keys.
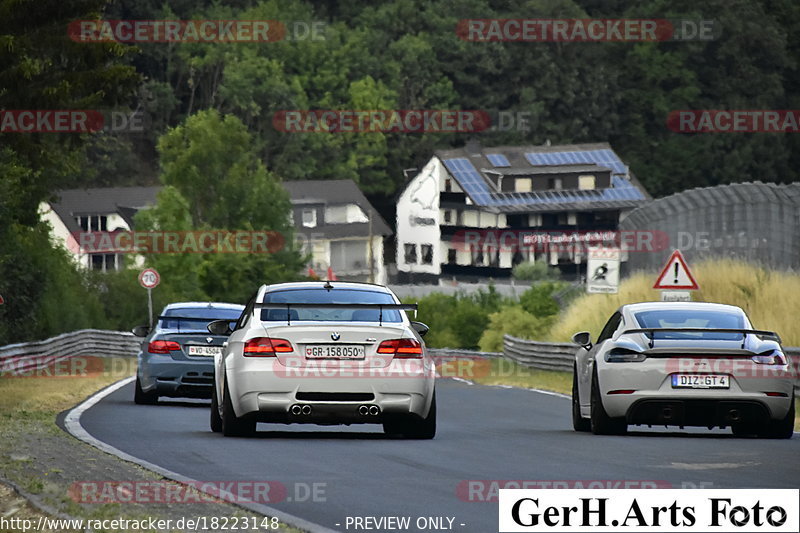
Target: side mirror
{"x": 420, "y": 328}
{"x": 220, "y": 327}
{"x": 583, "y": 338}
{"x": 141, "y": 331}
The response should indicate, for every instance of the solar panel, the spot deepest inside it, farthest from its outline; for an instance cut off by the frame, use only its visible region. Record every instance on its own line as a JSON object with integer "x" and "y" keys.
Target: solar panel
{"x": 498, "y": 160}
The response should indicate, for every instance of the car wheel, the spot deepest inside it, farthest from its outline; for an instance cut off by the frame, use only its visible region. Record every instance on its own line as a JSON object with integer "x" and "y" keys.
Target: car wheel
{"x": 578, "y": 422}
{"x": 216, "y": 420}
{"x": 413, "y": 427}
{"x": 780, "y": 429}
{"x": 141, "y": 397}
{"x": 232, "y": 425}
{"x": 601, "y": 423}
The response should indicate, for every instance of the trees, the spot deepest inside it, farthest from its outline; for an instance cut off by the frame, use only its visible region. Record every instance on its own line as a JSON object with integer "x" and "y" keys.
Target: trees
{"x": 215, "y": 181}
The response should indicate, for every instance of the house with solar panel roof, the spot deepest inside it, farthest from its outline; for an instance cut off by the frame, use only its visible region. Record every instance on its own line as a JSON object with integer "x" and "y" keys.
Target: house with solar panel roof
{"x": 475, "y": 212}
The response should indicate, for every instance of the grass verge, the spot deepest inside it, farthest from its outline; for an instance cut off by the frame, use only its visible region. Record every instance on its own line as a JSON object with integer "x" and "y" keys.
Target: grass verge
{"x": 43, "y": 460}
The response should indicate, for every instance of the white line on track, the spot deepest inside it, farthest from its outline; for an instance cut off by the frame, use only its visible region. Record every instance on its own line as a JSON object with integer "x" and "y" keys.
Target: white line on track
{"x": 72, "y": 422}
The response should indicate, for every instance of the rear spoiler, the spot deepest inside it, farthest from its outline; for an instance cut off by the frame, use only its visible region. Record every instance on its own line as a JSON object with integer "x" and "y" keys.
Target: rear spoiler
{"x": 652, "y": 331}
{"x": 379, "y": 307}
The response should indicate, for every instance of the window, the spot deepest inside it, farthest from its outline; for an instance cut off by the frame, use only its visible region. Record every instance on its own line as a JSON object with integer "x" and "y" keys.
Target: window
{"x": 448, "y": 216}
{"x": 410, "y": 253}
{"x": 610, "y": 327}
{"x": 555, "y": 184}
{"x": 586, "y": 183}
{"x": 426, "y": 251}
{"x": 197, "y": 318}
{"x": 309, "y": 218}
{"x": 93, "y": 223}
{"x": 349, "y": 256}
{"x": 104, "y": 262}
{"x": 692, "y": 319}
{"x": 333, "y": 296}
{"x": 451, "y": 256}
{"x": 448, "y": 185}
{"x": 523, "y": 184}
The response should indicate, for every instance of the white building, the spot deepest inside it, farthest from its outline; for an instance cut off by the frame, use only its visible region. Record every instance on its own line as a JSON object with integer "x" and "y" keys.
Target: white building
{"x": 97, "y": 209}
{"x": 507, "y": 191}
{"x": 337, "y": 225}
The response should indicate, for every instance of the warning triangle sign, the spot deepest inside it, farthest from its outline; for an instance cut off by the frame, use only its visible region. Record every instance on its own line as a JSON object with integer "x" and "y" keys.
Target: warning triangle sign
{"x": 676, "y": 275}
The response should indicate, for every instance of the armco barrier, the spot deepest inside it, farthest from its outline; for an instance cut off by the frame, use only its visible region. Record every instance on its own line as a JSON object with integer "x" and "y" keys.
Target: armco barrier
{"x": 84, "y": 342}
{"x": 100, "y": 343}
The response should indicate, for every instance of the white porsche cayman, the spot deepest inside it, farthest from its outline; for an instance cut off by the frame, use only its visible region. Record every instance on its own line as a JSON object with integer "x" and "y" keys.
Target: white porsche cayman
{"x": 324, "y": 353}
{"x": 682, "y": 364}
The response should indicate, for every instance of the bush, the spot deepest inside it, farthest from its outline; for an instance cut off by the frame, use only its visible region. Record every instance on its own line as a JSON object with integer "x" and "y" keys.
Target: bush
{"x": 513, "y": 320}
{"x": 539, "y": 301}
{"x": 537, "y": 271}
{"x": 458, "y": 321}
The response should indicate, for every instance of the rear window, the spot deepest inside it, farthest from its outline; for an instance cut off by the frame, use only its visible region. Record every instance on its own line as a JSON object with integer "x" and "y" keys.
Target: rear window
{"x": 690, "y": 318}
{"x": 333, "y": 296}
{"x": 196, "y": 318}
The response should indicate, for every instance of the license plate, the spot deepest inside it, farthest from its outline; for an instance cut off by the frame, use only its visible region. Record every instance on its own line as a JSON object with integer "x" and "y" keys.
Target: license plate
{"x": 701, "y": 381}
{"x": 206, "y": 351}
{"x": 334, "y": 351}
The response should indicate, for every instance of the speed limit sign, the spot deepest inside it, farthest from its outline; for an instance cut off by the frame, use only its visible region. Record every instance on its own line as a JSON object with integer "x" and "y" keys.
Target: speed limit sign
{"x": 149, "y": 278}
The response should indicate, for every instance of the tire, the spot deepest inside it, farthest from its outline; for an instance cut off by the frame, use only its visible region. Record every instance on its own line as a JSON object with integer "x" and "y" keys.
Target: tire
{"x": 578, "y": 422}
{"x": 215, "y": 419}
{"x": 601, "y": 423}
{"x": 780, "y": 429}
{"x": 232, "y": 425}
{"x": 413, "y": 427}
{"x": 141, "y": 397}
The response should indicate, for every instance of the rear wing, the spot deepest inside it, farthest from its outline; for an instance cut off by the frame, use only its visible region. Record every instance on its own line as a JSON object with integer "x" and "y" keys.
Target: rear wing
{"x": 650, "y": 332}
{"x": 380, "y": 307}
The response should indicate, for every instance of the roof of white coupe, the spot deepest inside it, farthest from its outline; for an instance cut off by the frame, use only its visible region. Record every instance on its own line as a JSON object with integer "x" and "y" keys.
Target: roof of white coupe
{"x": 706, "y": 306}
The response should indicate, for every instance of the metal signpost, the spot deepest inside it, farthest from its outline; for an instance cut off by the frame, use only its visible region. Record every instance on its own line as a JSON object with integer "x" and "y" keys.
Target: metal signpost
{"x": 149, "y": 279}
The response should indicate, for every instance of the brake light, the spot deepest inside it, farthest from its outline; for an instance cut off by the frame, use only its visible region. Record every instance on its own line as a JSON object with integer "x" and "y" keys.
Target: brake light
{"x": 407, "y": 348}
{"x": 773, "y": 357}
{"x": 163, "y": 346}
{"x": 266, "y": 347}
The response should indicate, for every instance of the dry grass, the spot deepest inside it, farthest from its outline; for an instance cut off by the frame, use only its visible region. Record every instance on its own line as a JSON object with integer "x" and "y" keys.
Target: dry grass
{"x": 770, "y": 298}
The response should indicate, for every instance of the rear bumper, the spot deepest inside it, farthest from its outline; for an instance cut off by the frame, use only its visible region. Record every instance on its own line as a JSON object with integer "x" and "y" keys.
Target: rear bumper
{"x": 183, "y": 379}
{"x": 265, "y": 390}
{"x": 651, "y": 383}
{"x": 698, "y": 412}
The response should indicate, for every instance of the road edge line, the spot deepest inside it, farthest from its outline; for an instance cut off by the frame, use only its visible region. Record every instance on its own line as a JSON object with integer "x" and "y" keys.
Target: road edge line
{"x": 72, "y": 425}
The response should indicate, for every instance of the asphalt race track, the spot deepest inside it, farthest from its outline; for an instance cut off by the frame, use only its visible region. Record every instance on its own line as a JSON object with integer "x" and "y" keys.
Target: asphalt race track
{"x": 484, "y": 433}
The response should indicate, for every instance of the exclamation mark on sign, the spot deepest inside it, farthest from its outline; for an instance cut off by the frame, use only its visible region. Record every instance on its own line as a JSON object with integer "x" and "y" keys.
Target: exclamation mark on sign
{"x": 676, "y": 273}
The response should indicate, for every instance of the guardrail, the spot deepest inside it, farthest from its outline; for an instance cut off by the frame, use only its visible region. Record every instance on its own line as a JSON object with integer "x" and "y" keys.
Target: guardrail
{"x": 21, "y": 357}
{"x": 25, "y": 356}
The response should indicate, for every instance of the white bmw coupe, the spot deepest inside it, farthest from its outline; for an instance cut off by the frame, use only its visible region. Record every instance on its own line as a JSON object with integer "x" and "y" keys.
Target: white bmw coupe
{"x": 324, "y": 353}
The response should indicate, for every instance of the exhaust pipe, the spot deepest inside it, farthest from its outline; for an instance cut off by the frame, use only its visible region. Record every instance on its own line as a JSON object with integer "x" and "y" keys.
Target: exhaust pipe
{"x": 734, "y": 415}
{"x": 296, "y": 410}
{"x": 667, "y": 413}
{"x": 374, "y": 410}
{"x": 306, "y": 410}
{"x": 363, "y": 410}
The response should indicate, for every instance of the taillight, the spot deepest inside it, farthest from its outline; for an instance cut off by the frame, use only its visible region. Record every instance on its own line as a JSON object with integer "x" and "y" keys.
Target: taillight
{"x": 623, "y": 355}
{"x": 408, "y": 348}
{"x": 773, "y": 357}
{"x": 163, "y": 346}
{"x": 266, "y": 347}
